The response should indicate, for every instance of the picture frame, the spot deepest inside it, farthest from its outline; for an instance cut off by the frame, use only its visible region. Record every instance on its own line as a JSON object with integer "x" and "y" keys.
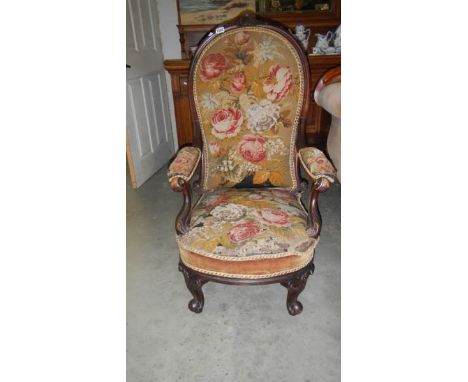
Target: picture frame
{"x": 203, "y": 12}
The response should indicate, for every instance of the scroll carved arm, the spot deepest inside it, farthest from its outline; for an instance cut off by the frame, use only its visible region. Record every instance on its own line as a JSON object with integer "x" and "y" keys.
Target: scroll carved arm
{"x": 315, "y": 219}
{"x": 182, "y": 222}
{"x": 321, "y": 171}
{"x": 180, "y": 173}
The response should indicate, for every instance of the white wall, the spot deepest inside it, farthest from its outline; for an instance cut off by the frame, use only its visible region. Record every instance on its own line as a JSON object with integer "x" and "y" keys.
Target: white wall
{"x": 171, "y": 47}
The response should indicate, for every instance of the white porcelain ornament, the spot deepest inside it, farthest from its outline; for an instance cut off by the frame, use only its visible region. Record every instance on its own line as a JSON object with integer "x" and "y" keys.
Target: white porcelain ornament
{"x": 329, "y": 43}
{"x": 323, "y": 40}
{"x": 337, "y": 38}
{"x": 302, "y": 34}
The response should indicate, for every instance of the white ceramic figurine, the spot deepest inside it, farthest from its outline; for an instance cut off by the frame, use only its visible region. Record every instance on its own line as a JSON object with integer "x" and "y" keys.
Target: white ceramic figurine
{"x": 323, "y": 40}
{"x": 337, "y": 38}
{"x": 302, "y": 34}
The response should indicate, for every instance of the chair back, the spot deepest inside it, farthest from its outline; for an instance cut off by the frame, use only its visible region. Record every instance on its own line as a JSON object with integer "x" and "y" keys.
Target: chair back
{"x": 249, "y": 91}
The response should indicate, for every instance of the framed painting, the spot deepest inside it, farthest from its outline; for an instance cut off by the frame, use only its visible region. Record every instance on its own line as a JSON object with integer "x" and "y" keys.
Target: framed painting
{"x": 202, "y": 12}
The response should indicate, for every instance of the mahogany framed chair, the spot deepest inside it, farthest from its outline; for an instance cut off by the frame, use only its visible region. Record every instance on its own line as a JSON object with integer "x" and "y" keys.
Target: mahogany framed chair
{"x": 249, "y": 94}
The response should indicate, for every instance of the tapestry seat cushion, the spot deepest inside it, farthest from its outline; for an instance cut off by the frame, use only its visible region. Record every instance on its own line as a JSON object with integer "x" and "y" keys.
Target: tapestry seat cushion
{"x": 247, "y": 232}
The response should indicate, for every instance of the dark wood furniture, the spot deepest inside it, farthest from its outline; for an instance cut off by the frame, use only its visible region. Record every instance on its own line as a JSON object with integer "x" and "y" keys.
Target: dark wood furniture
{"x": 182, "y": 80}
{"x": 318, "y": 120}
{"x": 317, "y": 21}
{"x": 317, "y": 123}
{"x": 294, "y": 282}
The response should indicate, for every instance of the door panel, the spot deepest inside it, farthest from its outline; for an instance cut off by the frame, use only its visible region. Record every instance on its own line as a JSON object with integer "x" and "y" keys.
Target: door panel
{"x": 149, "y": 131}
{"x": 150, "y": 142}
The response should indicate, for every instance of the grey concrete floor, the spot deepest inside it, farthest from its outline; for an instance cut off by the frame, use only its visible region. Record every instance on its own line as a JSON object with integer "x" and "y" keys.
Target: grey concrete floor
{"x": 244, "y": 332}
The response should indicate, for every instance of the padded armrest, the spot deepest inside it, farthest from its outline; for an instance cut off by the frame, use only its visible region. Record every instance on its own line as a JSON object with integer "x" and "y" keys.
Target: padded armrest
{"x": 184, "y": 164}
{"x": 330, "y": 98}
{"x": 316, "y": 164}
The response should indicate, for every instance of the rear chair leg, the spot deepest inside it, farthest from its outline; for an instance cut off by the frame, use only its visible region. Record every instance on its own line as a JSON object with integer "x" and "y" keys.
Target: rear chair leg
{"x": 295, "y": 286}
{"x": 194, "y": 284}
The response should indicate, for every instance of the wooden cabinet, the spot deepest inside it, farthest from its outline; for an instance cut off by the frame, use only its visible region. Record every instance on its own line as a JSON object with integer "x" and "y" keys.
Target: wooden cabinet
{"x": 318, "y": 120}
{"x": 287, "y": 12}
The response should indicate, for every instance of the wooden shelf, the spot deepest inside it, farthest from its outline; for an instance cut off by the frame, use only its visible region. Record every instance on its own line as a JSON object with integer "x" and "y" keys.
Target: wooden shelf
{"x": 316, "y": 21}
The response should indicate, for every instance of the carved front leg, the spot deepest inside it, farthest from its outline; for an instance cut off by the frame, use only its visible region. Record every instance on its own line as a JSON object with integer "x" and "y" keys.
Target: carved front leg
{"x": 194, "y": 284}
{"x": 295, "y": 286}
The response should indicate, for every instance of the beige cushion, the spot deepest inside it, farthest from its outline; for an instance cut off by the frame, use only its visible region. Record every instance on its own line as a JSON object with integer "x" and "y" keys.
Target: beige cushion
{"x": 330, "y": 99}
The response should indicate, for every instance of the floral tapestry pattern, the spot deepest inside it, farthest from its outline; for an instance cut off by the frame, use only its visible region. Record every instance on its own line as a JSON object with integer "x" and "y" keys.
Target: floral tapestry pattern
{"x": 248, "y": 92}
{"x": 316, "y": 164}
{"x": 184, "y": 163}
{"x": 234, "y": 223}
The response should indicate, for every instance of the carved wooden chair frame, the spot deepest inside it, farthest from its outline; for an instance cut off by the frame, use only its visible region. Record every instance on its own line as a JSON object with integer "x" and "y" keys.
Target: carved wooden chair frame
{"x": 295, "y": 282}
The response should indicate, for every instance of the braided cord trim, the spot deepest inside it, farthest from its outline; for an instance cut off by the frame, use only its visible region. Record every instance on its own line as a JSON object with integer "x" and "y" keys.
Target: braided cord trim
{"x": 246, "y": 258}
{"x": 308, "y": 259}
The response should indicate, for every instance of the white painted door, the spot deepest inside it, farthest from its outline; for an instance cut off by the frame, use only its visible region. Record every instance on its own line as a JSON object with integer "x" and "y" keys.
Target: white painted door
{"x": 149, "y": 135}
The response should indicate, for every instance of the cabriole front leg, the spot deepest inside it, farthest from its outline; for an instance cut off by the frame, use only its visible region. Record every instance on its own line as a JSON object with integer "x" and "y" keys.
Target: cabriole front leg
{"x": 194, "y": 284}
{"x": 295, "y": 286}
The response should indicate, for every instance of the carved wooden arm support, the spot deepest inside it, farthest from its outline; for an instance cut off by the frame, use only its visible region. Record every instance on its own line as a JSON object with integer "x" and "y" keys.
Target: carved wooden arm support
{"x": 180, "y": 172}
{"x": 322, "y": 172}
{"x": 182, "y": 222}
{"x": 315, "y": 219}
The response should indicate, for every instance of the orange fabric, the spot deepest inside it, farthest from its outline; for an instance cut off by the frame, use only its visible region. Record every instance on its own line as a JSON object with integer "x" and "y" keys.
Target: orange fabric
{"x": 245, "y": 269}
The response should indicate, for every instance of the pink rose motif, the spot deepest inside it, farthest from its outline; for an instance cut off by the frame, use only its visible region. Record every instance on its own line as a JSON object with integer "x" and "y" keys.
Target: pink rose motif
{"x": 324, "y": 164}
{"x": 278, "y": 82}
{"x": 238, "y": 82}
{"x": 226, "y": 122}
{"x": 282, "y": 194}
{"x": 243, "y": 231}
{"x": 217, "y": 200}
{"x": 242, "y": 38}
{"x": 273, "y": 216}
{"x": 214, "y": 148}
{"x": 212, "y": 66}
{"x": 252, "y": 148}
{"x": 256, "y": 196}
{"x": 179, "y": 165}
{"x": 181, "y": 160}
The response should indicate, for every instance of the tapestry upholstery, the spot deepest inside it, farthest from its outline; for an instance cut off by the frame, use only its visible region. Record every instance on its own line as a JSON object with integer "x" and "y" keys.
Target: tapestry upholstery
{"x": 241, "y": 224}
{"x": 184, "y": 164}
{"x": 248, "y": 87}
{"x": 316, "y": 164}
